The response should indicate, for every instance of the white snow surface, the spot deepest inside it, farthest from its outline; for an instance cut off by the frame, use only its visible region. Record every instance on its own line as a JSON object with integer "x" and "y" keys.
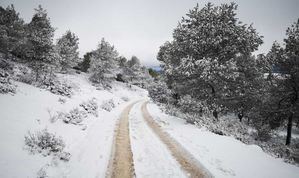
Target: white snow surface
{"x": 223, "y": 156}
{"x": 89, "y": 143}
{"x": 151, "y": 157}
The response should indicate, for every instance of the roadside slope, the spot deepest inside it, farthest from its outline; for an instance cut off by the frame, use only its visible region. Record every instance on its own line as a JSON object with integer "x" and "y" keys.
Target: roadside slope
{"x": 223, "y": 156}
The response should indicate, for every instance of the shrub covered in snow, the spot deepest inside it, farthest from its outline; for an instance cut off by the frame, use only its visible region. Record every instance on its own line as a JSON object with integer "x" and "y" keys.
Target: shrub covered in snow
{"x": 108, "y": 105}
{"x": 42, "y": 173}
{"x": 5, "y": 83}
{"x": 75, "y": 116}
{"x": 5, "y": 64}
{"x": 124, "y": 98}
{"x": 58, "y": 116}
{"x": 58, "y": 87}
{"x": 44, "y": 142}
{"x": 90, "y": 106}
{"x": 187, "y": 104}
{"x": 61, "y": 100}
{"x": 159, "y": 92}
{"x": 24, "y": 74}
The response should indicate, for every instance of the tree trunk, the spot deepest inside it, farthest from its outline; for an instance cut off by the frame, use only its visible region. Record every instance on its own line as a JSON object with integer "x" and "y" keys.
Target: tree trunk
{"x": 215, "y": 114}
{"x": 289, "y": 129}
{"x": 36, "y": 73}
{"x": 240, "y": 116}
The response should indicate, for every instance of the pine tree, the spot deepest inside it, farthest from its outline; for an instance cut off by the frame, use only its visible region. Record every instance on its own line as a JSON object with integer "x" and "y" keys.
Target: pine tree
{"x": 202, "y": 60}
{"x": 103, "y": 63}
{"x": 67, "y": 48}
{"x": 12, "y": 31}
{"x": 287, "y": 82}
{"x": 85, "y": 64}
{"x": 40, "y": 39}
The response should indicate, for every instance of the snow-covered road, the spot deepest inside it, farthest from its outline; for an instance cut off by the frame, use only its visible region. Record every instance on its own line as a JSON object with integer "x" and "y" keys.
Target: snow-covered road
{"x": 143, "y": 149}
{"x": 151, "y": 157}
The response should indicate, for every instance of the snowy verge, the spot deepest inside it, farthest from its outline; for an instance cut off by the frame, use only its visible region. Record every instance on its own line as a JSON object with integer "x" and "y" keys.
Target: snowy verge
{"x": 223, "y": 156}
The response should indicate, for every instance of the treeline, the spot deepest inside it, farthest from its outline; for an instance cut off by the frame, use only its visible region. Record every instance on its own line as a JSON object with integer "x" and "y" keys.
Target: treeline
{"x": 209, "y": 69}
{"x": 33, "y": 44}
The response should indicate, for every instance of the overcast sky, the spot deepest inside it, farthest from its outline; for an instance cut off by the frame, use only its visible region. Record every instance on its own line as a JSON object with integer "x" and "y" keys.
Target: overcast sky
{"x": 139, "y": 27}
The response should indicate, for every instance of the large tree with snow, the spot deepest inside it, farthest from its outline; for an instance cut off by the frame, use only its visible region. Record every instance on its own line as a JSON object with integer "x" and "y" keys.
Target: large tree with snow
{"x": 286, "y": 82}
{"x": 12, "y": 31}
{"x": 103, "y": 63}
{"x": 202, "y": 59}
{"x": 40, "y": 40}
{"x": 67, "y": 48}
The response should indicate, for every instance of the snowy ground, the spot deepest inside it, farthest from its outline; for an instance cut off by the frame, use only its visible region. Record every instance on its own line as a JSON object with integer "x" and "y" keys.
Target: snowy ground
{"x": 151, "y": 156}
{"x": 223, "y": 156}
{"x": 88, "y": 143}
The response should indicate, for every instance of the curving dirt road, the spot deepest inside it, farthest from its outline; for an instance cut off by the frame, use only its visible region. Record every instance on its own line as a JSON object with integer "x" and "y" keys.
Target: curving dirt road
{"x": 121, "y": 163}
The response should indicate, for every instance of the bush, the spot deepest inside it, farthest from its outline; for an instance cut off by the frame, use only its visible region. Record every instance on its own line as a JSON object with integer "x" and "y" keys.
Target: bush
{"x": 90, "y": 106}
{"x": 159, "y": 92}
{"x": 189, "y": 105}
{"x": 108, "y": 105}
{"x": 24, "y": 74}
{"x": 57, "y": 87}
{"x": 5, "y": 83}
{"x": 61, "y": 100}
{"x": 59, "y": 116}
{"x": 75, "y": 116}
{"x": 5, "y": 64}
{"x": 43, "y": 142}
{"x": 124, "y": 98}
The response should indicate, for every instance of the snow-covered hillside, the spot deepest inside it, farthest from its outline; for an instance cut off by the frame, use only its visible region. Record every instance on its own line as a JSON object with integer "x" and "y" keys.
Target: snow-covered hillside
{"x": 89, "y": 143}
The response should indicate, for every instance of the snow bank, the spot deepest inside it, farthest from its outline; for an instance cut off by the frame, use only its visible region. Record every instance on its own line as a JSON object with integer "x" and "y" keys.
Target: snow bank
{"x": 223, "y": 156}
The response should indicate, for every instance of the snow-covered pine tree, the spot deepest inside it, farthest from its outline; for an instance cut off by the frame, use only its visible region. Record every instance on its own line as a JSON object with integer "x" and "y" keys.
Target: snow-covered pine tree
{"x": 285, "y": 92}
{"x": 201, "y": 61}
{"x": 12, "y": 31}
{"x": 40, "y": 40}
{"x": 248, "y": 89}
{"x": 135, "y": 73}
{"x": 103, "y": 63}
{"x": 67, "y": 48}
{"x": 85, "y": 64}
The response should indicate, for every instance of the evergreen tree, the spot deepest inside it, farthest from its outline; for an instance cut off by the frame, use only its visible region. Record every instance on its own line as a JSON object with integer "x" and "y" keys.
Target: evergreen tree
{"x": 40, "y": 39}
{"x": 85, "y": 64}
{"x": 134, "y": 62}
{"x": 12, "y": 31}
{"x": 286, "y": 83}
{"x": 122, "y": 61}
{"x": 67, "y": 48}
{"x": 153, "y": 73}
{"x": 103, "y": 63}
{"x": 202, "y": 60}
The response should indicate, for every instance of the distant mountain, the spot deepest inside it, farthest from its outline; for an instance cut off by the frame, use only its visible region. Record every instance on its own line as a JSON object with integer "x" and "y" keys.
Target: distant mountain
{"x": 156, "y": 68}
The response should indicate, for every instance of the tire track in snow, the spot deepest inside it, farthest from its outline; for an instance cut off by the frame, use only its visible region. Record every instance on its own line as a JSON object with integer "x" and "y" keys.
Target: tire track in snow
{"x": 188, "y": 163}
{"x": 121, "y": 161}
{"x": 152, "y": 158}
